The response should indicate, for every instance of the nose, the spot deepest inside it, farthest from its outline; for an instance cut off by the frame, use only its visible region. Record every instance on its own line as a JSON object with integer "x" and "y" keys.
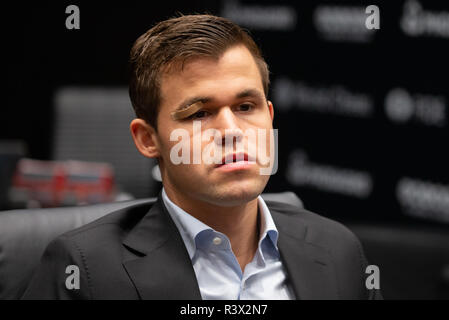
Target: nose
{"x": 227, "y": 125}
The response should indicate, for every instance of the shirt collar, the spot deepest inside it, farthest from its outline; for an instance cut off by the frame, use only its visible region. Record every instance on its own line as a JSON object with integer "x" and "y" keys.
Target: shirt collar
{"x": 190, "y": 228}
{"x": 267, "y": 226}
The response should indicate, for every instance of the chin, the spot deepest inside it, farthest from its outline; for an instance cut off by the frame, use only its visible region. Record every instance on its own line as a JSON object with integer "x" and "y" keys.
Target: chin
{"x": 242, "y": 193}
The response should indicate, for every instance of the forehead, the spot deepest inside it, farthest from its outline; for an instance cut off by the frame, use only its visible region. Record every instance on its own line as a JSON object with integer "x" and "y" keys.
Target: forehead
{"x": 234, "y": 69}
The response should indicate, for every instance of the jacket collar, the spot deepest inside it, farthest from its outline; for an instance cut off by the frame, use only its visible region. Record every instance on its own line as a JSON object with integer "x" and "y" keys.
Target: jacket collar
{"x": 162, "y": 269}
{"x": 308, "y": 265}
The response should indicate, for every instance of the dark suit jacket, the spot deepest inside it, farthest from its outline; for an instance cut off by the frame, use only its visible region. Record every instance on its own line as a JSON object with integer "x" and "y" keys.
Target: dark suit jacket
{"x": 138, "y": 253}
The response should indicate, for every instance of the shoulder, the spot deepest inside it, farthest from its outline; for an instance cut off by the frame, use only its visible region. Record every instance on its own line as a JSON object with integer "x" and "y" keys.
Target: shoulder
{"x": 317, "y": 230}
{"x": 321, "y": 234}
{"x": 104, "y": 234}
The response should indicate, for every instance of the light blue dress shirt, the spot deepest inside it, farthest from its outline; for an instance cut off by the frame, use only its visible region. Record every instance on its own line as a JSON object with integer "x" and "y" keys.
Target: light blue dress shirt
{"x": 216, "y": 268}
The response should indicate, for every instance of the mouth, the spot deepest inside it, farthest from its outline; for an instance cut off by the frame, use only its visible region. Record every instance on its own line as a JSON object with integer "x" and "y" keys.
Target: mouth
{"x": 236, "y": 161}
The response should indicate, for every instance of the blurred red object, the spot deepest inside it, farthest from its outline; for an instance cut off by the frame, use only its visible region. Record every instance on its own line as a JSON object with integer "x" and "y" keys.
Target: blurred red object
{"x": 60, "y": 183}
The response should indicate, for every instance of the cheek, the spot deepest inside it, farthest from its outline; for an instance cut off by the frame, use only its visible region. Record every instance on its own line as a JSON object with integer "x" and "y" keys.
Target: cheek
{"x": 180, "y": 155}
{"x": 165, "y": 144}
{"x": 262, "y": 120}
{"x": 164, "y": 148}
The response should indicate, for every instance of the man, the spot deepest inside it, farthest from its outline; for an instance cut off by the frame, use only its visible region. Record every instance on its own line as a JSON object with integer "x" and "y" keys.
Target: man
{"x": 210, "y": 235}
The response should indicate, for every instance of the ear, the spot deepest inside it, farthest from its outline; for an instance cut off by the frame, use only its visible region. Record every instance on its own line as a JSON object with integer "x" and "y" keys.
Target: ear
{"x": 145, "y": 138}
{"x": 270, "y": 108}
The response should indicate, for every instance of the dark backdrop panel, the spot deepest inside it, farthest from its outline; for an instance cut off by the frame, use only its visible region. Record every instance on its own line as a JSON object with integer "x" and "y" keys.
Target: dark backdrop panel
{"x": 362, "y": 114}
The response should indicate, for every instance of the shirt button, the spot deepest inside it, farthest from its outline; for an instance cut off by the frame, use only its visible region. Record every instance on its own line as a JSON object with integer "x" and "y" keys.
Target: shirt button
{"x": 217, "y": 240}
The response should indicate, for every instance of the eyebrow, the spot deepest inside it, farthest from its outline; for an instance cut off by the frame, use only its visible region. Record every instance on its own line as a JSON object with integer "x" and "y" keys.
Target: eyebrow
{"x": 250, "y": 93}
{"x": 205, "y": 99}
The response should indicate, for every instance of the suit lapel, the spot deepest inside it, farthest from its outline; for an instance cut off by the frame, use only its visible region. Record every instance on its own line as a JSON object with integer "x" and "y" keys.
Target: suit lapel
{"x": 163, "y": 269}
{"x": 309, "y": 266}
{"x": 160, "y": 267}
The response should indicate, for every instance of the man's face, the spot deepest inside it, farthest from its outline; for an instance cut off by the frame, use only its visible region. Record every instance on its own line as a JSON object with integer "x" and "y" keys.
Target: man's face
{"x": 233, "y": 101}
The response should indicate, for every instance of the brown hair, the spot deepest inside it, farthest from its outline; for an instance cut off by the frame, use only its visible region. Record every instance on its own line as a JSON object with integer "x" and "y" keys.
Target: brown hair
{"x": 176, "y": 40}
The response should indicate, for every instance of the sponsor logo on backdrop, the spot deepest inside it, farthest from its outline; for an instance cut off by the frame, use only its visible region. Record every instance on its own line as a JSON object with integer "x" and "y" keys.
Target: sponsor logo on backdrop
{"x": 346, "y": 23}
{"x": 417, "y": 21}
{"x": 423, "y": 199}
{"x": 335, "y": 99}
{"x": 262, "y": 17}
{"x": 302, "y": 172}
{"x": 402, "y": 106}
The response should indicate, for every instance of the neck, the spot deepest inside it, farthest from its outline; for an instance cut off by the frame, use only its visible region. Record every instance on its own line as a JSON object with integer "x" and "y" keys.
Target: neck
{"x": 239, "y": 223}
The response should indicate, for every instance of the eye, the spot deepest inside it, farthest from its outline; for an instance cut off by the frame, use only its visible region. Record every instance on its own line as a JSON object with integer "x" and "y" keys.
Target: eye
{"x": 199, "y": 115}
{"x": 245, "y": 107}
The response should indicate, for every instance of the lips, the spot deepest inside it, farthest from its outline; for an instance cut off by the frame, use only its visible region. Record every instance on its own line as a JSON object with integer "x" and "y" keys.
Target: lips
{"x": 236, "y": 158}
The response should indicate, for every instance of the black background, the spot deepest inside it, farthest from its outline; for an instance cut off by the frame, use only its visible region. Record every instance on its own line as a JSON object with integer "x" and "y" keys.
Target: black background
{"x": 42, "y": 56}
